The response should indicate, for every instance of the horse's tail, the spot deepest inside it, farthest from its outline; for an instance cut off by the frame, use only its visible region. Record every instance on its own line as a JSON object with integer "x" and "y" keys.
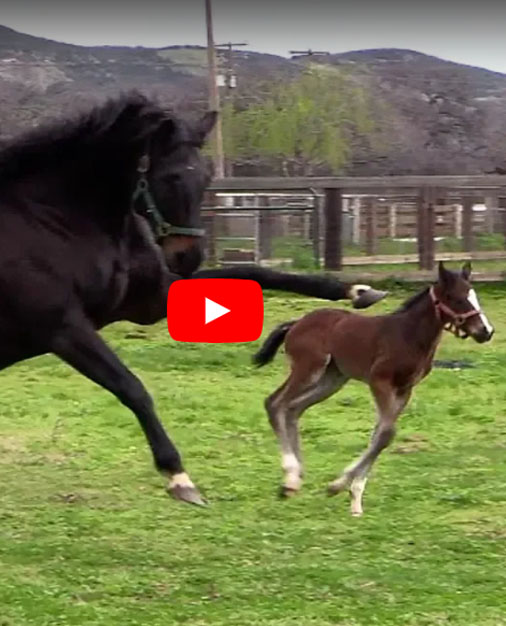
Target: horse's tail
{"x": 271, "y": 345}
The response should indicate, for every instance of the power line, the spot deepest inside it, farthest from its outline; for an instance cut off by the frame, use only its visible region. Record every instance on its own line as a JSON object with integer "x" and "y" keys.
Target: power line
{"x": 307, "y": 53}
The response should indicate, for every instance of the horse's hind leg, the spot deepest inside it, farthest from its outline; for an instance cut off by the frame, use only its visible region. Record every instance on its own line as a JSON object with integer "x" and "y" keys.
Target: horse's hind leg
{"x": 329, "y": 383}
{"x": 286, "y": 405}
{"x": 82, "y": 348}
{"x": 389, "y": 402}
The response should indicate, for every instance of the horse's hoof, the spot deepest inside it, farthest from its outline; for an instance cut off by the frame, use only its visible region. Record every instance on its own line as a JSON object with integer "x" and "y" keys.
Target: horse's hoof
{"x": 187, "y": 494}
{"x": 286, "y": 492}
{"x": 366, "y": 298}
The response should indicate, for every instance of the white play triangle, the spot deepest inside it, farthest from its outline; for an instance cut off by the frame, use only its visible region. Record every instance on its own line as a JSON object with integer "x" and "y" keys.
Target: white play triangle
{"x": 214, "y": 310}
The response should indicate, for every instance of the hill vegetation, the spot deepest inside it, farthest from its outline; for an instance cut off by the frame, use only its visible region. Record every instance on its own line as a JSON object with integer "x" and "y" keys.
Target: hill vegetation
{"x": 382, "y": 111}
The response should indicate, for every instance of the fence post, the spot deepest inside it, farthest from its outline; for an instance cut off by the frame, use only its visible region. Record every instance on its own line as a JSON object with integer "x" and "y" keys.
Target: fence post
{"x": 490, "y": 213}
{"x": 209, "y": 225}
{"x": 392, "y": 220}
{"x": 370, "y": 225}
{"x": 264, "y": 229}
{"x": 430, "y": 228}
{"x": 425, "y": 228}
{"x": 333, "y": 253}
{"x": 315, "y": 229}
{"x": 502, "y": 212}
{"x": 356, "y": 221}
{"x": 467, "y": 223}
{"x": 458, "y": 220}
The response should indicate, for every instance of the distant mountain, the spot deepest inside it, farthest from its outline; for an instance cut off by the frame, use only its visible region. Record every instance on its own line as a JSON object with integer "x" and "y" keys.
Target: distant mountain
{"x": 41, "y": 78}
{"x": 435, "y": 116}
{"x": 444, "y": 117}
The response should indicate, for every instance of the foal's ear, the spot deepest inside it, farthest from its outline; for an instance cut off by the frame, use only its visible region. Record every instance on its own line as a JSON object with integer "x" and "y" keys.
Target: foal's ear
{"x": 205, "y": 125}
{"x": 466, "y": 270}
{"x": 166, "y": 130}
{"x": 445, "y": 276}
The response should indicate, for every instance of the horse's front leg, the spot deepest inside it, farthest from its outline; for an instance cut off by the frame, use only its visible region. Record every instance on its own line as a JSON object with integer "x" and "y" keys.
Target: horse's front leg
{"x": 316, "y": 286}
{"x": 80, "y": 346}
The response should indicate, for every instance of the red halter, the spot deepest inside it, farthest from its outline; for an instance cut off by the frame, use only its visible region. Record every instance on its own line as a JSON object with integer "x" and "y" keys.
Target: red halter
{"x": 457, "y": 320}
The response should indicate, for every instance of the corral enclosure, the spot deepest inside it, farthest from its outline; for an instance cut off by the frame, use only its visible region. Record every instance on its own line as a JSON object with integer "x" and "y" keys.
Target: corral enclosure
{"x": 89, "y": 536}
{"x": 386, "y": 227}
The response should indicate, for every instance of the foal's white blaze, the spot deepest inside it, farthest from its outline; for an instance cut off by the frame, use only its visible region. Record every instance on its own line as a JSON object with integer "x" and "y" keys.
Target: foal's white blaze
{"x": 473, "y": 301}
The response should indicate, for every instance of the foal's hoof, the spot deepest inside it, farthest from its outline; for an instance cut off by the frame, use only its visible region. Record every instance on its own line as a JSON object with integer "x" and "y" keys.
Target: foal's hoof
{"x": 366, "y": 296}
{"x": 287, "y": 492}
{"x": 187, "y": 494}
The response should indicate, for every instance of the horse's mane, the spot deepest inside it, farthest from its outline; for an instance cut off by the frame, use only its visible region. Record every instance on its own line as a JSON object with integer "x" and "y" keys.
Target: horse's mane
{"x": 412, "y": 301}
{"x": 113, "y": 127}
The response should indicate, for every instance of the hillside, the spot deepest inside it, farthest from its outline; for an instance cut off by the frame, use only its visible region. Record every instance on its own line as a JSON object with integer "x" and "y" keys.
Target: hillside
{"x": 432, "y": 116}
{"x": 444, "y": 117}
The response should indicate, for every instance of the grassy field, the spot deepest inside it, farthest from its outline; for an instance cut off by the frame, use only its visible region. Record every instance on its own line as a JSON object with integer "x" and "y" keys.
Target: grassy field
{"x": 89, "y": 537}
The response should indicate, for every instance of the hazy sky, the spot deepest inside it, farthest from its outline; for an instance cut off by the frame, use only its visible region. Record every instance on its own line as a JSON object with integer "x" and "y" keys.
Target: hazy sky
{"x": 472, "y": 33}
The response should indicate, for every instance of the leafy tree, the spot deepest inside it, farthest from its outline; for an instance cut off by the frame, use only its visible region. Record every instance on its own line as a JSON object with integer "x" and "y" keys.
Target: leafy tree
{"x": 302, "y": 125}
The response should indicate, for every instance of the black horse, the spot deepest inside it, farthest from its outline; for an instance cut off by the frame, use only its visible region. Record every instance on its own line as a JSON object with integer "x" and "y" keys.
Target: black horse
{"x": 98, "y": 216}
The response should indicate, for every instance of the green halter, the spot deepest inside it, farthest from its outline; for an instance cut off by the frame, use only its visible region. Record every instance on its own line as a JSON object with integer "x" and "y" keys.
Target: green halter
{"x": 160, "y": 227}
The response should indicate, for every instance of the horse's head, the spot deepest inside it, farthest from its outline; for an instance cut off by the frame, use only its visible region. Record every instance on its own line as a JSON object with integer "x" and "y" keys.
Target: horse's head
{"x": 457, "y": 305}
{"x": 173, "y": 175}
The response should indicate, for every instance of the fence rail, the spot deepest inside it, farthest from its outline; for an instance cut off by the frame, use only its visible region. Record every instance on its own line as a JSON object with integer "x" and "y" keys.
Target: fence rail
{"x": 353, "y": 183}
{"x": 357, "y": 221}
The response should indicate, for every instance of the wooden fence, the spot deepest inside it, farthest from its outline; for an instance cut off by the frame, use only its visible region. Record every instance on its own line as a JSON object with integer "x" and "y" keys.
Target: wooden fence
{"x": 433, "y": 206}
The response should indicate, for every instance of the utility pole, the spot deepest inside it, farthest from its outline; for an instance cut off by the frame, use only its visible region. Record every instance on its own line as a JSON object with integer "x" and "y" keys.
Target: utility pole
{"x": 230, "y": 84}
{"x": 214, "y": 96}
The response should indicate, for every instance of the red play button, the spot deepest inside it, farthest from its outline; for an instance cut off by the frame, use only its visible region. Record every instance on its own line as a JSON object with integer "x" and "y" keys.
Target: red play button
{"x": 215, "y": 310}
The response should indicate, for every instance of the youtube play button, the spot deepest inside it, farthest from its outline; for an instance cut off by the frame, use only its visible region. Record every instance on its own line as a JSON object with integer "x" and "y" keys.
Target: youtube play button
{"x": 215, "y": 310}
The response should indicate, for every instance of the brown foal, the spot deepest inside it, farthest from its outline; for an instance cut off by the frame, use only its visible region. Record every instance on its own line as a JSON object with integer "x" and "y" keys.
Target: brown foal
{"x": 391, "y": 353}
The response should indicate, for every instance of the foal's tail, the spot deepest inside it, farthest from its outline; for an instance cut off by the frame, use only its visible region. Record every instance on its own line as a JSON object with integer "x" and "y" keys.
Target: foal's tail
{"x": 271, "y": 345}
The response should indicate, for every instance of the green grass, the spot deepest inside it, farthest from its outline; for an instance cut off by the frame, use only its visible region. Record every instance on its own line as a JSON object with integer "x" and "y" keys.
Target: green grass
{"x": 89, "y": 537}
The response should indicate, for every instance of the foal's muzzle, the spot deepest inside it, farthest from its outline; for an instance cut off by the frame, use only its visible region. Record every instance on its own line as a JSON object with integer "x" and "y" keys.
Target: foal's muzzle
{"x": 483, "y": 335}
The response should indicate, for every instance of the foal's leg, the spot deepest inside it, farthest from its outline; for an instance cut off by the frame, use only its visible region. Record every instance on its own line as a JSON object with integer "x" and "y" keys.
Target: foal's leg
{"x": 302, "y": 389}
{"x": 389, "y": 402}
{"x": 82, "y": 348}
{"x": 276, "y": 406}
{"x": 329, "y": 383}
